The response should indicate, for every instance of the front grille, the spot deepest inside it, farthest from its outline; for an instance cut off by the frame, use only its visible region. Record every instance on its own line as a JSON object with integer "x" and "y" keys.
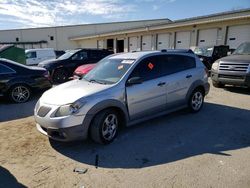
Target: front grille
{"x": 238, "y": 77}
{"x": 43, "y": 111}
{"x": 233, "y": 67}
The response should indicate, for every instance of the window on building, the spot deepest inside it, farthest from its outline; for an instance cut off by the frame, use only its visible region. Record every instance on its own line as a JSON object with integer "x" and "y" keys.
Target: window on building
{"x": 51, "y": 37}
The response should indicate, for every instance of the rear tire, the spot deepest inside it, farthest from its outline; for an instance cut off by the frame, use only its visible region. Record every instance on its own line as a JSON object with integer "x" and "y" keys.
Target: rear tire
{"x": 19, "y": 93}
{"x": 104, "y": 127}
{"x": 60, "y": 76}
{"x": 196, "y": 100}
{"x": 218, "y": 84}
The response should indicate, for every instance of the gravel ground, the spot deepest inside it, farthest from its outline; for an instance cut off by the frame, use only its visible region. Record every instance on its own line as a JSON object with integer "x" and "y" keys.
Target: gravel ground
{"x": 207, "y": 149}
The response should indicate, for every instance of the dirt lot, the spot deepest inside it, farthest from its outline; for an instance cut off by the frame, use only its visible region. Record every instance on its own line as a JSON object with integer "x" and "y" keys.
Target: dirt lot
{"x": 207, "y": 149}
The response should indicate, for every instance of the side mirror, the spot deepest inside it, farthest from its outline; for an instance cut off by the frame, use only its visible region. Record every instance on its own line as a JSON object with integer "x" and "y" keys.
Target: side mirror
{"x": 134, "y": 80}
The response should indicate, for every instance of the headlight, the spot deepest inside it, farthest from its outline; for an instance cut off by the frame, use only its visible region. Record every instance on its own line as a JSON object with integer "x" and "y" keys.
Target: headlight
{"x": 215, "y": 65}
{"x": 69, "y": 109}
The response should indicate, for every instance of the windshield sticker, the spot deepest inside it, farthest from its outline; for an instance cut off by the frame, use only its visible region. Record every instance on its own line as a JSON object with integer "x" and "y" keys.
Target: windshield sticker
{"x": 120, "y": 67}
{"x": 151, "y": 66}
{"x": 128, "y": 61}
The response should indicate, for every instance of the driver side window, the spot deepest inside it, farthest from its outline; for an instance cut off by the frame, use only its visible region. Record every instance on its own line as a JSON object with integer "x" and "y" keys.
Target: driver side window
{"x": 80, "y": 56}
{"x": 148, "y": 69}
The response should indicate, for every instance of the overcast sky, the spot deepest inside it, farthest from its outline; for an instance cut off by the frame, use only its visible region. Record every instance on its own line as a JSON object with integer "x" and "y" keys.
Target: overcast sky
{"x": 40, "y": 13}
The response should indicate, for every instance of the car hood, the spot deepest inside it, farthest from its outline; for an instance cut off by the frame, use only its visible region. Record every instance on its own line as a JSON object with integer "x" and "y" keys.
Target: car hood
{"x": 236, "y": 59}
{"x": 71, "y": 91}
{"x": 48, "y": 62}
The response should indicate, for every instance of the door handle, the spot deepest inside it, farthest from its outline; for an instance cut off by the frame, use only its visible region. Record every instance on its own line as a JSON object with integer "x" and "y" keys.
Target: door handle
{"x": 161, "y": 84}
{"x": 189, "y": 76}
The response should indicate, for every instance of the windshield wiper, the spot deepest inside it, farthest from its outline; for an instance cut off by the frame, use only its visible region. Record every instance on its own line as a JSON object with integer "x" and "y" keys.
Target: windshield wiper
{"x": 96, "y": 81}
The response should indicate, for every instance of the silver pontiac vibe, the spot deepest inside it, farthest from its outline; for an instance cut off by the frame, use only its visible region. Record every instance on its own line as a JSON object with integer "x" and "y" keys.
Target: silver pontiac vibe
{"x": 122, "y": 90}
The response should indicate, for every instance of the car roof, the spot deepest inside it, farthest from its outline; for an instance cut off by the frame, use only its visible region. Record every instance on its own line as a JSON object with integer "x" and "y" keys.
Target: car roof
{"x": 39, "y": 49}
{"x": 7, "y": 61}
{"x": 138, "y": 55}
{"x": 132, "y": 55}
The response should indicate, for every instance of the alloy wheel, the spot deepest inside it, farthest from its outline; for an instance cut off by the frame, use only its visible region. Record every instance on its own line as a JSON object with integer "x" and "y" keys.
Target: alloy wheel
{"x": 20, "y": 94}
{"x": 109, "y": 127}
{"x": 197, "y": 100}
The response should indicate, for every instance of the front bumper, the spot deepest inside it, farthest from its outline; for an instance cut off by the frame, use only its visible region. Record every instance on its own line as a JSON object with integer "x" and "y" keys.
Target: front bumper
{"x": 231, "y": 78}
{"x": 63, "y": 134}
{"x": 67, "y": 128}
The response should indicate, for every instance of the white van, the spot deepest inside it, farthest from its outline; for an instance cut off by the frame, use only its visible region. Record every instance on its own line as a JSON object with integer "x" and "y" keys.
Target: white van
{"x": 35, "y": 56}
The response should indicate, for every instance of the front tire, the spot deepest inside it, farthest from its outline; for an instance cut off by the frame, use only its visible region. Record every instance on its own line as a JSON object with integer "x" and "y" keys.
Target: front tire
{"x": 19, "y": 93}
{"x": 104, "y": 127}
{"x": 196, "y": 100}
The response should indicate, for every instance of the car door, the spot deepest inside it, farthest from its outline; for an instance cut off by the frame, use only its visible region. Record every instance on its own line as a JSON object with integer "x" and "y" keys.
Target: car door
{"x": 181, "y": 74}
{"x": 6, "y": 74}
{"x": 149, "y": 97}
{"x": 94, "y": 56}
{"x": 31, "y": 58}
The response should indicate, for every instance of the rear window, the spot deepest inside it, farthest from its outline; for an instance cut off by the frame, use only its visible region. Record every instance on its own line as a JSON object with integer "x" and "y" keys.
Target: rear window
{"x": 5, "y": 69}
{"x": 178, "y": 63}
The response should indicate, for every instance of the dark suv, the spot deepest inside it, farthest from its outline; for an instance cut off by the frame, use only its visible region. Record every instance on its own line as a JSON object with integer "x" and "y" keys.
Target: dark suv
{"x": 209, "y": 54}
{"x": 63, "y": 67}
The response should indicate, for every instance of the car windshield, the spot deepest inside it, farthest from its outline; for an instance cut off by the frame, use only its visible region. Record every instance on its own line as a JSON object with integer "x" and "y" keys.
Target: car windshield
{"x": 68, "y": 54}
{"x": 204, "y": 51}
{"x": 109, "y": 70}
{"x": 243, "y": 49}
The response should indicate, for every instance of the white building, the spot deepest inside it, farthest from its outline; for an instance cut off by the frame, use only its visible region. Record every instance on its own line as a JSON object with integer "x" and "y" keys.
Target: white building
{"x": 229, "y": 28}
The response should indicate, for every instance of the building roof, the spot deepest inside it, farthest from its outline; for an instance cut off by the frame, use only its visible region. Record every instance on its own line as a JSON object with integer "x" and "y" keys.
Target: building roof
{"x": 224, "y": 16}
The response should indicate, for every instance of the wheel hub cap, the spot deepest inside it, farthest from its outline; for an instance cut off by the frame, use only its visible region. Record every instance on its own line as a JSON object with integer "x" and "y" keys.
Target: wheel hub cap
{"x": 109, "y": 127}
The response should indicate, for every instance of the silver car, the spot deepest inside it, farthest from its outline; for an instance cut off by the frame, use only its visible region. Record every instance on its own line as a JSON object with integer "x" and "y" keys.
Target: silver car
{"x": 122, "y": 90}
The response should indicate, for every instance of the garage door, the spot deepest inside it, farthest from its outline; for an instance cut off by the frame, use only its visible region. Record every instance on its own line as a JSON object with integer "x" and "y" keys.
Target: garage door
{"x": 163, "y": 41}
{"x": 183, "y": 40}
{"x": 207, "y": 37}
{"x": 237, "y": 35}
{"x": 146, "y": 42}
{"x": 133, "y": 44}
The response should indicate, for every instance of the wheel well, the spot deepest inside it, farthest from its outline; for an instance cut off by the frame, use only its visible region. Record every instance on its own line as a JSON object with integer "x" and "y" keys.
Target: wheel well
{"x": 121, "y": 114}
{"x": 16, "y": 84}
{"x": 201, "y": 88}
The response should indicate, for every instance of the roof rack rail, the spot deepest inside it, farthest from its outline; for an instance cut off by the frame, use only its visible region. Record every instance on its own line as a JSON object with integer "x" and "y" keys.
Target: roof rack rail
{"x": 178, "y": 50}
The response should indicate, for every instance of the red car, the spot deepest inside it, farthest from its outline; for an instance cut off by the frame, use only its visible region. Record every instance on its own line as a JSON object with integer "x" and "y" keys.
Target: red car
{"x": 82, "y": 70}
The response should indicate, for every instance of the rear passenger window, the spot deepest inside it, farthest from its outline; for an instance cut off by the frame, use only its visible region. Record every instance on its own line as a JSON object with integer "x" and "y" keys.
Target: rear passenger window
{"x": 148, "y": 69}
{"x": 80, "y": 56}
{"x": 93, "y": 54}
{"x": 5, "y": 69}
{"x": 178, "y": 63}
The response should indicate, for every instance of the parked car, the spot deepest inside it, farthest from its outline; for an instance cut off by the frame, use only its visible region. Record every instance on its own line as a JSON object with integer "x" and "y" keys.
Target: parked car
{"x": 83, "y": 70}
{"x": 63, "y": 67}
{"x": 35, "y": 56}
{"x": 233, "y": 69}
{"x": 17, "y": 81}
{"x": 122, "y": 90}
{"x": 209, "y": 54}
